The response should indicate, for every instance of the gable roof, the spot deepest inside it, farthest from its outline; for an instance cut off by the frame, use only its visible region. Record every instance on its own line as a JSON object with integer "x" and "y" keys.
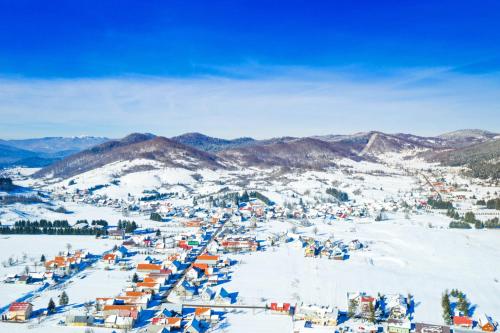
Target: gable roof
{"x": 19, "y": 306}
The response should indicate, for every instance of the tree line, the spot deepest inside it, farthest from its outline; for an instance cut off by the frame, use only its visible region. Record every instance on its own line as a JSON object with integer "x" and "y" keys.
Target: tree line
{"x": 490, "y": 204}
{"x": 469, "y": 220}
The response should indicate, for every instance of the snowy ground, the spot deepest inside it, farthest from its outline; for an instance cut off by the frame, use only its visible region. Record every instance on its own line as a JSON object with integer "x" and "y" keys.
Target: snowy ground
{"x": 14, "y": 246}
{"x": 404, "y": 256}
{"x": 419, "y": 255}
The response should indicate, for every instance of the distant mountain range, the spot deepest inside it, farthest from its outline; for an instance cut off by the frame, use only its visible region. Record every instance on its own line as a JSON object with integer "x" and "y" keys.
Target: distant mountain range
{"x": 67, "y": 157}
{"x": 43, "y": 151}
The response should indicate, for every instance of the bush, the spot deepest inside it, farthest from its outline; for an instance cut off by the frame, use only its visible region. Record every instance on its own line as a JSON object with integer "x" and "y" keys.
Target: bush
{"x": 155, "y": 217}
{"x": 460, "y": 225}
{"x": 439, "y": 204}
{"x": 339, "y": 195}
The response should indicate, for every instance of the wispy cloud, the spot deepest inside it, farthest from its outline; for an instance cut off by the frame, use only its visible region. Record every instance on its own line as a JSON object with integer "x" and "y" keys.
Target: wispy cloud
{"x": 253, "y": 102}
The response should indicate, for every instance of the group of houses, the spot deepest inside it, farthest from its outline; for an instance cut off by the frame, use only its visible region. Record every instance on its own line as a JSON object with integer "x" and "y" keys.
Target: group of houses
{"x": 331, "y": 249}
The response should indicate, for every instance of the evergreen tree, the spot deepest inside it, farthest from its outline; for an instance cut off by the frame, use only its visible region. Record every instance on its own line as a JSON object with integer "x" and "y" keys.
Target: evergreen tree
{"x": 445, "y": 304}
{"x": 351, "y": 310}
{"x": 51, "y": 307}
{"x": 135, "y": 278}
{"x": 470, "y": 217}
{"x": 42, "y": 258}
{"x": 245, "y": 197}
{"x": 463, "y": 305}
{"x": 63, "y": 299}
{"x": 371, "y": 317}
{"x": 155, "y": 217}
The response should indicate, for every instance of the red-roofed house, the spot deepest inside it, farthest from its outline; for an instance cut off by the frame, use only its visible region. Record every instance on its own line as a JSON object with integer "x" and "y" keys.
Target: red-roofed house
{"x": 19, "y": 311}
{"x": 110, "y": 258}
{"x": 462, "y": 321}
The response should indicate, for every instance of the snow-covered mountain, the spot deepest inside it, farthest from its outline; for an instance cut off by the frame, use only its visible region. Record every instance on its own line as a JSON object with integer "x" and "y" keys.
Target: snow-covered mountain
{"x": 132, "y": 147}
{"x": 194, "y": 151}
{"x": 467, "y": 137}
{"x": 291, "y": 152}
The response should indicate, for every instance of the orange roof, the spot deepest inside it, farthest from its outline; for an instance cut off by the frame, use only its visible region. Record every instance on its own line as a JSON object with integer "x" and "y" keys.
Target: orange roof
{"x": 200, "y": 266}
{"x": 150, "y": 279}
{"x": 109, "y": 256}
{"x": 199, "y": 311}
{"x": 135, "y": 293}
{"x": 207, "y": 257}
{"x": 120, "y": 307}
{"x": 173, "y": 320}
{"x": 147, "y": 284}
{"x": 148, "y": 267}
{"x": 103, "y": 299}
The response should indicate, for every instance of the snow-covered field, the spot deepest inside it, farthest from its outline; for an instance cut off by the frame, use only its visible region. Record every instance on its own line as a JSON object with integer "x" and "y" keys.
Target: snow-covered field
{"x": 403, "y": 256}
{"x": 32, "y": 247}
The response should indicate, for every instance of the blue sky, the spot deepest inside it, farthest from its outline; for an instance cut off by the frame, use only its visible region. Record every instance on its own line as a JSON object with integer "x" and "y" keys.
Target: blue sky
{"x": 287, "y": 67}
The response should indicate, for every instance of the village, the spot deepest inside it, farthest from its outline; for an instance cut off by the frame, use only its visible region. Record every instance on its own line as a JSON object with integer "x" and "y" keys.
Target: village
{"x": 178, "y": 268}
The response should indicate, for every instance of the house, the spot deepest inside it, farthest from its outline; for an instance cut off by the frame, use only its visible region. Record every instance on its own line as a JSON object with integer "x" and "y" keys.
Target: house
{"x": 355, "y": 245}
{"x": 23, "y": 279}
{"x": 126, "y": 310}
{"x": 316, "y": 314}
{"x": 148, "y": 286}
{"x": 202, "y": 313}
{"x": 310, "y": 250}
{"x": 463, "y": 321}
{"x": 396, "y": 326}
{"x": 338, "y": 255}
{"x": 19, "y": 311}
{"x": 239, "y": 244}
{"x": 284, "y": 308}
{"x": 186, "y": 289}
{"x": 224, "y": 297}
{"x": 116, "y": 234}
{"x": 168, "y": 322}
{"x": 79, "y": 320}
{"x": 207, "y": 259}
{"x": 208, "y": 294}
{"x": 110, "y": 258}
{"x": 194, "y": 273}
{"x": 117, "y": 321}
{"x": 486, "y": 323}
{"x": 397, "y": 306}
{"x": 148, "y": 268}
{"x": 194, "y": 327}
{"x": 361, "y": 304}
